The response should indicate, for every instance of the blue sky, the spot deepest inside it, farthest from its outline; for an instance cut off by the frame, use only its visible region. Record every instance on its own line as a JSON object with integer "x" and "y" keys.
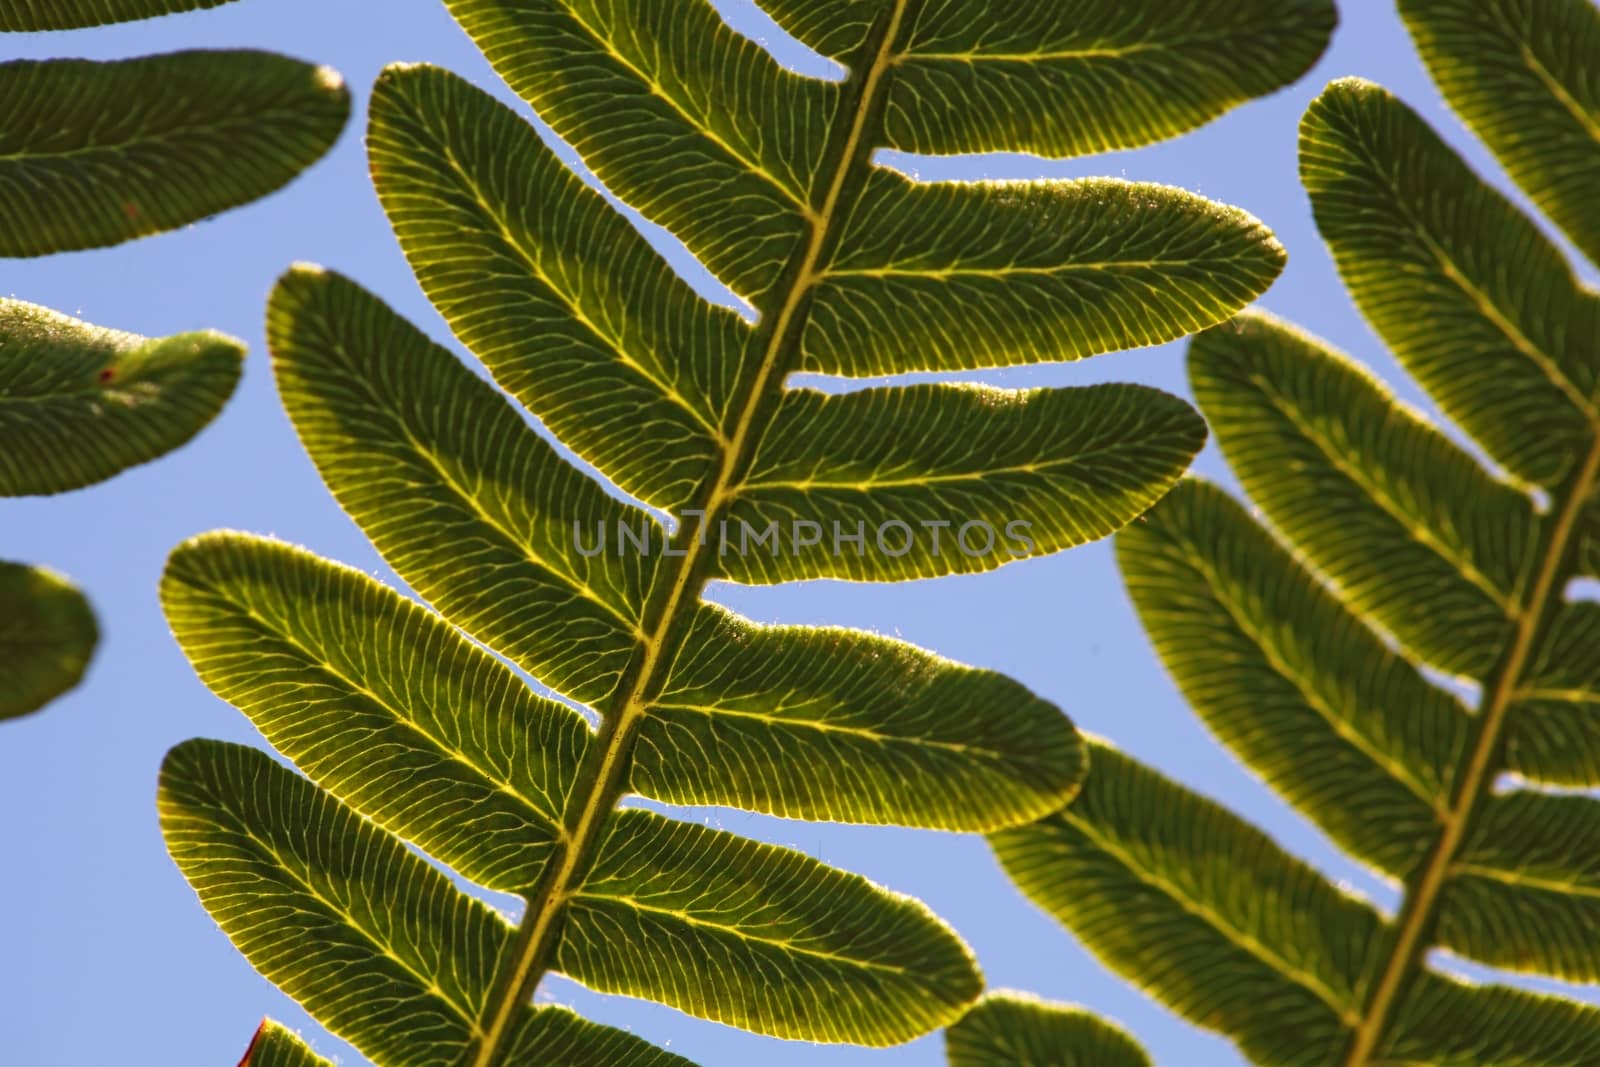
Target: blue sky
{"x": 106, "y": 956}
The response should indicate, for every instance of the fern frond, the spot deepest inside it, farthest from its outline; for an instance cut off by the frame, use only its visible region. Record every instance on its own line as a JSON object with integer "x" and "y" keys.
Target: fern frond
{"x": 1385, "y": 549}
{"x": 409, "y": 733}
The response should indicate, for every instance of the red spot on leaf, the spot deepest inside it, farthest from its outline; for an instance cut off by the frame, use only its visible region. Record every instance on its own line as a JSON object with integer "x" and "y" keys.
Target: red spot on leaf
{"x": 106, "y": 374}
{"x": 130, "y": 209}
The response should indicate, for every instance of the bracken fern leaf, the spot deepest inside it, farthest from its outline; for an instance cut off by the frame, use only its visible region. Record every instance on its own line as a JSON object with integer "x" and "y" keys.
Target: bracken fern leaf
{"x": 1390, "y": 549}
{"x": 408, "y": 731}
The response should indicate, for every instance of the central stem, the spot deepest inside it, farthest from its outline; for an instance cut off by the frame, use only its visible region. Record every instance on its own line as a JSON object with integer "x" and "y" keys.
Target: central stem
{"x": 669, "y": 607}
{"x": 1477, "y": 773}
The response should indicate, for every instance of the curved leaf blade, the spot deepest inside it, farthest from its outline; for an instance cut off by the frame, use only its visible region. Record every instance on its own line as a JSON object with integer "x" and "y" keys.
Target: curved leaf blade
{"x": 1520, "y": 75}
{"x": 763, "y": 938}
{"x": 1470, "y": 297}
{"x": 477, "y": 514}
{"x": 833, "y": 724}
{"x": 1525, "y": 890}
{"x": 1007, "y": 1029}
{"x": 931, "y": 480}
{"x": 1167, "y": 888}
{"x": 933, "y": 276}
{"x": 1552, "y": 730}
{"x": 559, "y": 296}
{"x": 557, "y": 1036}
{"x": 94, "y": 154}
{"x": 398, "y": 966}
{"x": 1447, "y": 1021}
{"x": 719, "y": 142}
{"x": 80, "y": 403}
{"x": 47, "y": 638}
{"x": 380, "y": 702}
{"x": 1062, "y": 80}
{"x": 29, "y": 15}
{"x": 1289, "y": 679}
{"x": 1413, "y": 530}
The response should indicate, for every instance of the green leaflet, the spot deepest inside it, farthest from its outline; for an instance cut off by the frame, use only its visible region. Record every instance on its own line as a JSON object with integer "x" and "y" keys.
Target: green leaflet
{"x": 557, "y": 1035}
{"x": 1441, "y": 264}
{"x": 380, "y": 702}
{"x": 1302, "y": 643}
{"x": 1415, "y": 532}
{"x": 398, "y": 964}
{"x": 1012, "y": 1030}
{"x": 275, "y": 1046}
{"x": 824, "y": 723}
{"x": 1168, "y": 889}
{"x": 1287, "y": 677}
{"x": 1520, "y": 74}
{"x": 718, "y": 143}
{"x": 476, "y": 513}
{"x": 553, "y": 1034}
{"x": 1553, "y": 733}
{"x": 95, "y": 153}
{"x": 76, "y": 14}
{"x": 1090, "y": 77}
{"x": 582, "y": 321}
{"x": 1449, "y": 1022}
{"x": 767, "y": 176}
{"x": 962, "y": 275}
{"x": 79, "y": 403}
{"x": 288, "y": 873}
{"x": 47, "y": 636}
{"x": 942, "y": 479}
{"x": 1526, "y": 886}
{"x": 765, "y": 938}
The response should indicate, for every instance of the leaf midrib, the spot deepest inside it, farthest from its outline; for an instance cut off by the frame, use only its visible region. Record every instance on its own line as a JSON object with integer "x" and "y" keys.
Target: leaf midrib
{"x": 822, "y": 726}
{"x": 533, "y": 944}
{"x": 1169, "y": 44}
{"x": 1063, "y": 466}
{"x": 783, "y": 944}
{"x": 248, "y": 122}
{"x": 1424, "y": 891}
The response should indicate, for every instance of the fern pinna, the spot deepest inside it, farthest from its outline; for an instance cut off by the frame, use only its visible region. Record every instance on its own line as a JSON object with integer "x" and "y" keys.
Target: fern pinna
{"x": 1391, "y": 549}
{"x": 410, "y": 732}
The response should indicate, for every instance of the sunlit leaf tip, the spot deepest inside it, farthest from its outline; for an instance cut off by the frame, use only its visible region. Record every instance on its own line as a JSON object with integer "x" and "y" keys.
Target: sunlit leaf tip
{"x": 47, "y": 637}
{"x": 1009, "y": 1029}
{"x": 80, "y": 403}
{"x": 274, "y": 1045}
